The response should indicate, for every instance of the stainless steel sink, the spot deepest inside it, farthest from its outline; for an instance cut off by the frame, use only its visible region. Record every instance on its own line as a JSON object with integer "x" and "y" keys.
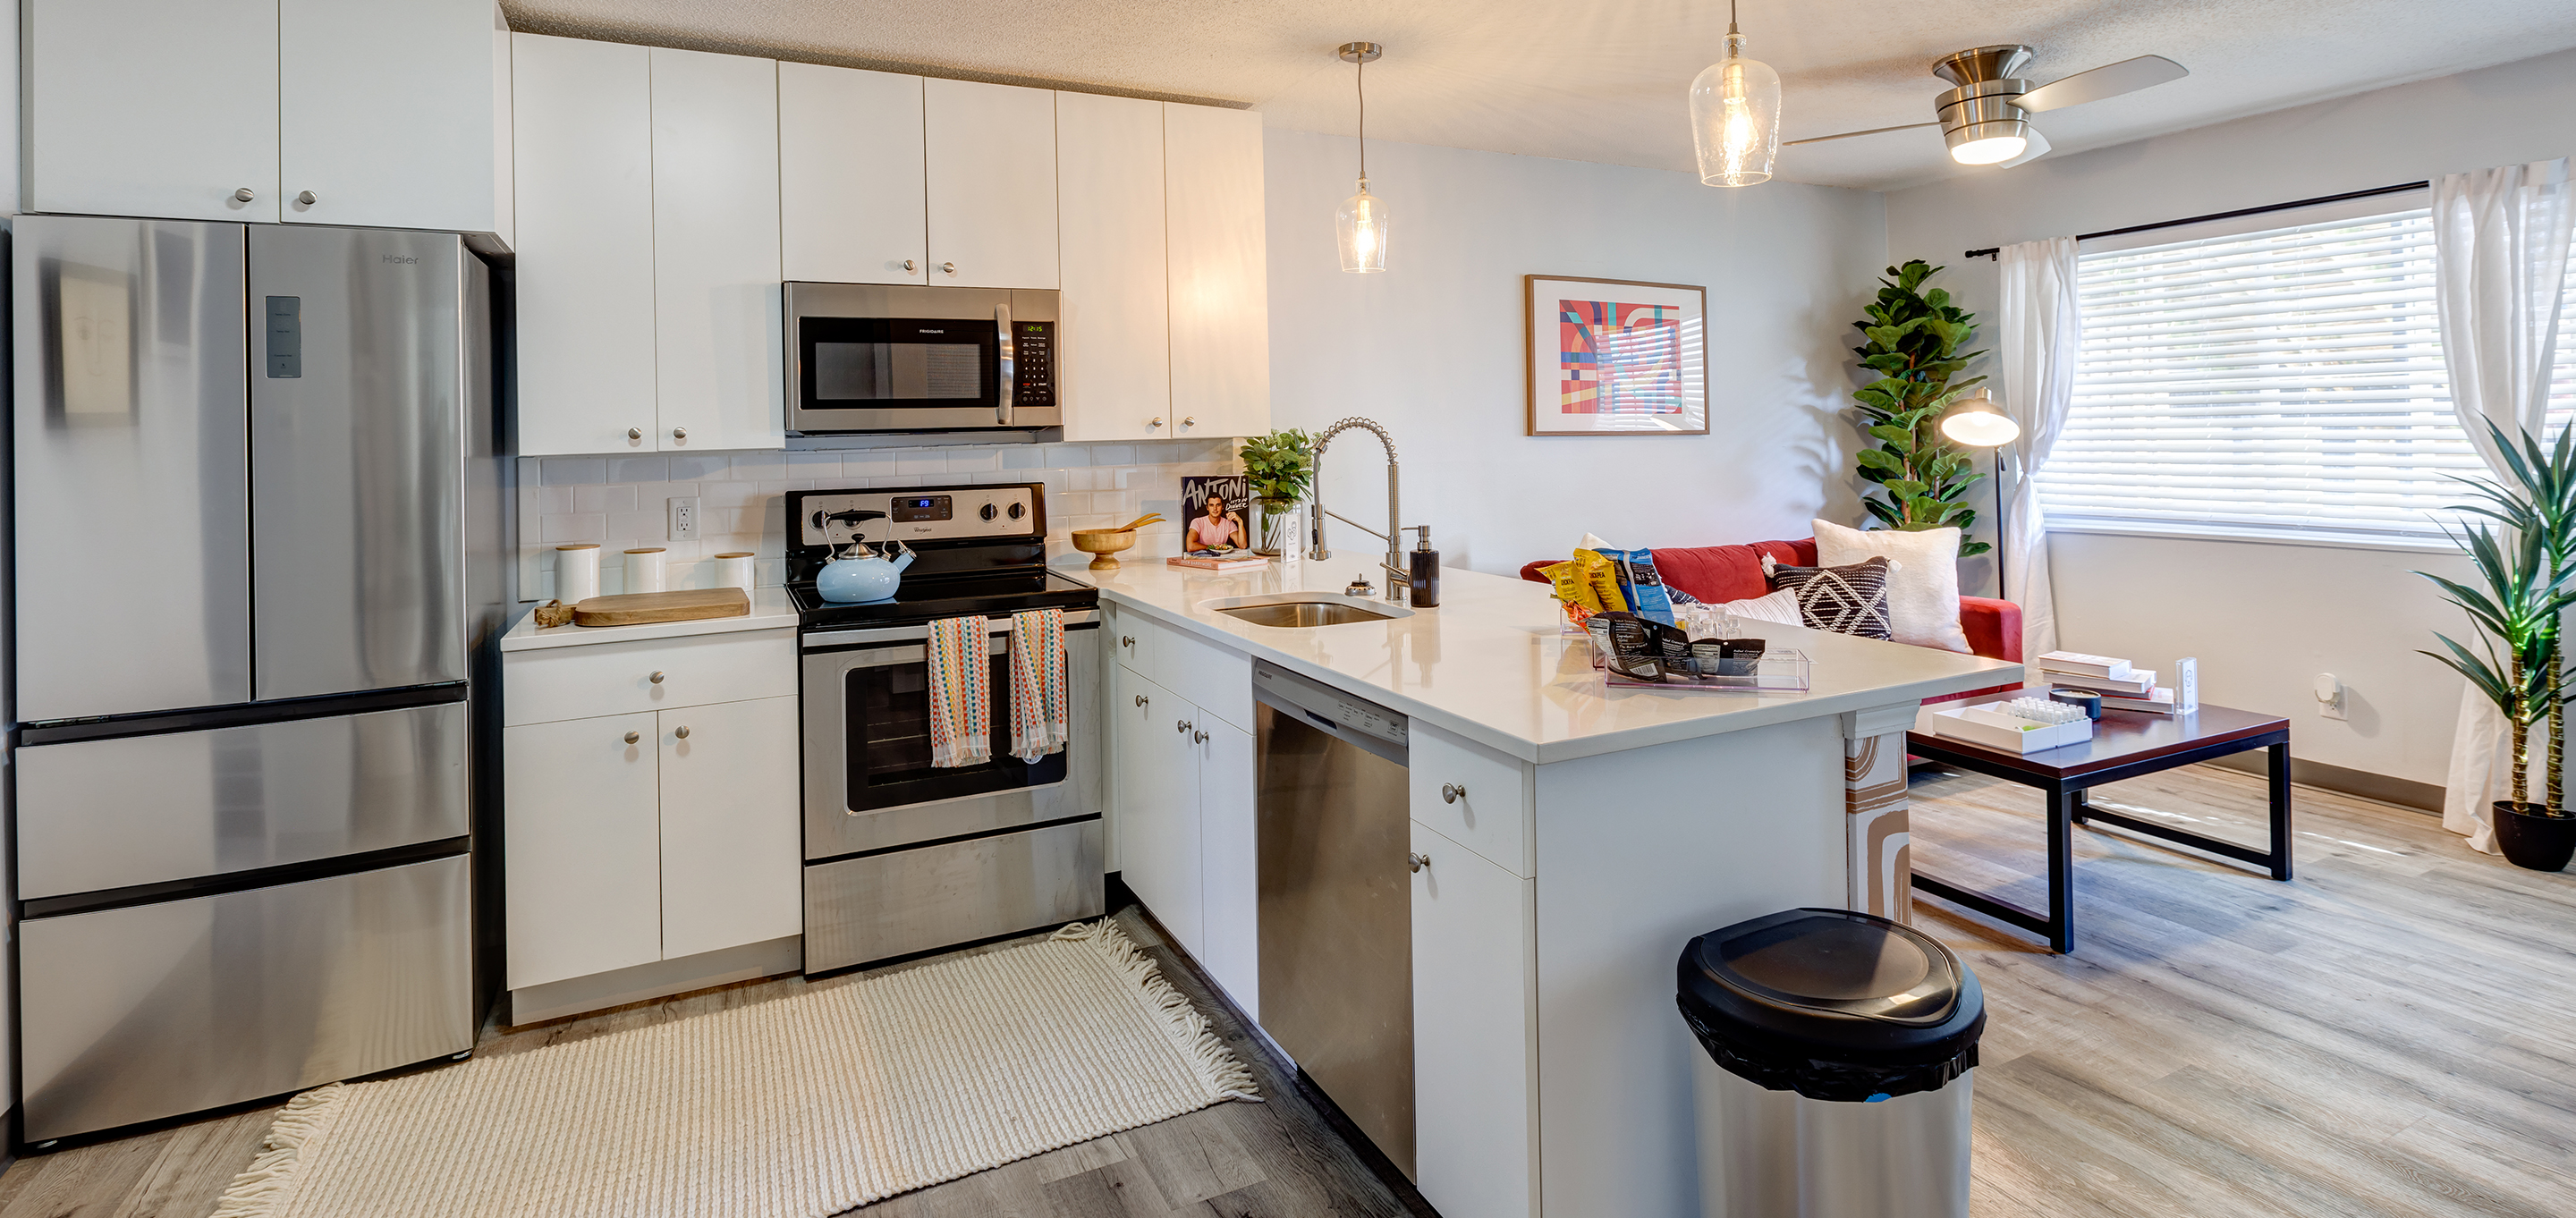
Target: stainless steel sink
{"x": 1307, "y": 609}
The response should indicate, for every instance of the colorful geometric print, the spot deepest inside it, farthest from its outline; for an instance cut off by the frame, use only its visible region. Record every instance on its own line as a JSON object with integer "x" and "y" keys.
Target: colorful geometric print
{"x": 1038, "y": 700}
{"x": 961, "y": 693}
{"x": 1616, "y": 358}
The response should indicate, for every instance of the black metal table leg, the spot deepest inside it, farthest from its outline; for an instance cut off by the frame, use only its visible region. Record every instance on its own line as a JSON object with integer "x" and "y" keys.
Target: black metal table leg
{"x": 2082, "y": 809}
{"x": 2280, "y": 784}
{"x": 2061, "y": 869}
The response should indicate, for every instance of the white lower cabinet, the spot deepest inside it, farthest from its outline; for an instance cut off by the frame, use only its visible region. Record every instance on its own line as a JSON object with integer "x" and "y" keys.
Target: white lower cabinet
{"x": 1475, "y": 1023}
{"x": 654, "y": 834}
{"x": 1183, "y": 792}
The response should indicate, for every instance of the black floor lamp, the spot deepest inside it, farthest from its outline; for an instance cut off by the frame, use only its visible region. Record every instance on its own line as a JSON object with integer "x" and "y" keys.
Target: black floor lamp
{"x": 1974, "y": 422}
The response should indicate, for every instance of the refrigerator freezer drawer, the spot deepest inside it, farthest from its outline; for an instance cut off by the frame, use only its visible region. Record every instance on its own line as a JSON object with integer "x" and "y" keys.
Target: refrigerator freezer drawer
{"x": 152, "y": 1011}
{"x": 906, "y": 901}
{"x": 101, "y": 814}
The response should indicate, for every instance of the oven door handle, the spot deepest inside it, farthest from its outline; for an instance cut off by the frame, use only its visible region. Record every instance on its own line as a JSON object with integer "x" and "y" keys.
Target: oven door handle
{"x": 1074, "y": 619}
{"x": 1009, "y": 350}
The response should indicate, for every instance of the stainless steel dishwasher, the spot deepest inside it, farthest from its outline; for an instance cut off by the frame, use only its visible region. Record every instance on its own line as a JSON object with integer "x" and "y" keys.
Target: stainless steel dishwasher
{"x": 1336, "y": 903}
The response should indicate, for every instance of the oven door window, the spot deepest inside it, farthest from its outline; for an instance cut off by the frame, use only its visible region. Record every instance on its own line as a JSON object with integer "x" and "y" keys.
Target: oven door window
{"x": 887, "y": 711}
{"x": 876, "y": 362}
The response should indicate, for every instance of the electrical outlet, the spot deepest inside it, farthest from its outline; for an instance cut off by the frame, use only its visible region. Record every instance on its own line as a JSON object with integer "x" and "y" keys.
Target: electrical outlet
{"x": 684, "y": 518}
{"x": 2329, "y": 691}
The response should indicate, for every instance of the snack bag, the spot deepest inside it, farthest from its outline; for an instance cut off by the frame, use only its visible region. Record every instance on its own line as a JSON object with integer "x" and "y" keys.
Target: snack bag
{"x": 1604, "y": 581}
{"x": 1573, "y": 585}
{"x": 1641, "y": 587}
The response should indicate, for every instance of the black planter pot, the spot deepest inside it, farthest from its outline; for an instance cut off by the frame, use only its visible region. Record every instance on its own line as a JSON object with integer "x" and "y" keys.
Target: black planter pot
{"x": 2529, "y": 839}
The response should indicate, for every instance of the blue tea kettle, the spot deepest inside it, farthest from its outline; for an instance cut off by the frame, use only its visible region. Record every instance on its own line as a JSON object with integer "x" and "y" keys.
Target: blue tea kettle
{"x": 857, "y": 573}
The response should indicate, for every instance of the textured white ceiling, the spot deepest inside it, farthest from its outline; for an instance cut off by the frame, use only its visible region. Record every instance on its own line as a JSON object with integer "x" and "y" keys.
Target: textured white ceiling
{"x": 1606, "y": 80}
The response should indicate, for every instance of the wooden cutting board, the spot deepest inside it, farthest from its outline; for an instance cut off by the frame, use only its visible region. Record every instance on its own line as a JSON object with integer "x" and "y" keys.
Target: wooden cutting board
{"x": 639, "y": 608}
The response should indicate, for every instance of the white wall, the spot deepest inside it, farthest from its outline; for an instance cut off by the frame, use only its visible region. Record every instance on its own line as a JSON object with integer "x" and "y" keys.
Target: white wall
{"x": 2264, "y": 619}
{"x": 1432, "y": 349}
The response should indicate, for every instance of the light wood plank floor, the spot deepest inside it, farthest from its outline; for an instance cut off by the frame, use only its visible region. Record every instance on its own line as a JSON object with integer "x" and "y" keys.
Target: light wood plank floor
{"x": 2394, "y": 1033}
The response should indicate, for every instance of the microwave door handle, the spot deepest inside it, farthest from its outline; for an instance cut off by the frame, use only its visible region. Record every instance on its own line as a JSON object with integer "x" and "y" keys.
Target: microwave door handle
{"x": 1002, "y": 323}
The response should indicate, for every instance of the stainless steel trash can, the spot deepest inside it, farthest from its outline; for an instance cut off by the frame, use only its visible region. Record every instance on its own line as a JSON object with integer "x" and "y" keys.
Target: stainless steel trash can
{"x": 1836, "y": 1078}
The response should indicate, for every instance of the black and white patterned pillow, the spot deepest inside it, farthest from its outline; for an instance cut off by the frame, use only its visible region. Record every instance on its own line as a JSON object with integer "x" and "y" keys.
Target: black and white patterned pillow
{"x": 1846, "y": 600}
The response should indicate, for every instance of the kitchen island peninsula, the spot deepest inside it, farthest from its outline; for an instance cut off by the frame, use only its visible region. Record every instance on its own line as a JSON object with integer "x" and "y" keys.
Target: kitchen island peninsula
{"x": 1568, "y": 838}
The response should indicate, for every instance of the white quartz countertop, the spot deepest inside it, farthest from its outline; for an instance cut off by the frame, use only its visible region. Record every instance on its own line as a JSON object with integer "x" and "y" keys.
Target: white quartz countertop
{"x": 1489, "y": 662}
{"x": 770, "y": 610}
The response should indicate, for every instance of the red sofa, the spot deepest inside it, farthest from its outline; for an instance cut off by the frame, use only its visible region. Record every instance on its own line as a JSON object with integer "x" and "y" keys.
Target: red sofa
{"x": 1717, "y": 574}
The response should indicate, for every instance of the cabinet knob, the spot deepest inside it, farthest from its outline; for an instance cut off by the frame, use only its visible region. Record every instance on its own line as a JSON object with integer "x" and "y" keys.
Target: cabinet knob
{"x": 1451, "y": 792}
{"x": 908, "y": 267}
{"x": 1189, "y": 420}
{"x": 1181, "y": 726}
{"x": 1155, "y": 422}
{"x": 949, "y": 267}
{"x": 632, "y": 737}
{"x": 679, "y": 433}
{"x": 1416, "y": 862}
{"x": 681, "y": 732}
{"x": 1198, "y": 737}
{"x": 305, "y": 198}
{"x": 1127, "y": 640}
{"x": 657, "y": 678}
{"x": 1142, "y": 699}
{"x": 634, "y": 433}
{"x": 245, "y": 195}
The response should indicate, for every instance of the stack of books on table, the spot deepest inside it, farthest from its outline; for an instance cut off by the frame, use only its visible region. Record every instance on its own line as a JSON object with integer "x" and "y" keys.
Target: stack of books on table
{"x": 2122, "y": 687}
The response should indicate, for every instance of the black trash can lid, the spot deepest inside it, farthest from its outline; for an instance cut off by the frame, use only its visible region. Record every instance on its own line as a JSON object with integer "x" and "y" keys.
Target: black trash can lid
{"x": 1832, "y": 1003}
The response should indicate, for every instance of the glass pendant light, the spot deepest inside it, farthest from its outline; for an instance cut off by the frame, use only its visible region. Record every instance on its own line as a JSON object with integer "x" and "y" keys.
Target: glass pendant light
{"x": 1362, "y": 220}
{"x": 1735, "y": 115}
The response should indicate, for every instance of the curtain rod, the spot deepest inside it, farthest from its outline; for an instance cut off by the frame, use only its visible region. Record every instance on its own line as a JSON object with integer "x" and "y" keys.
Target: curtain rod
{"x": 1993, "y": 251}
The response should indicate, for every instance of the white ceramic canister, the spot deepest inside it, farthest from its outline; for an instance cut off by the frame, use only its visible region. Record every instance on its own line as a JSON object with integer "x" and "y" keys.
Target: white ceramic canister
{"x": 733, "y": 570}
{"x": 576, "y": 572}
{"x": 644, "y": 569}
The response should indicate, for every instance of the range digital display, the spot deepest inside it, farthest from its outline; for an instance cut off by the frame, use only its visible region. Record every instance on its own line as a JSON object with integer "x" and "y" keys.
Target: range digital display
{"x": 921, "y": 507}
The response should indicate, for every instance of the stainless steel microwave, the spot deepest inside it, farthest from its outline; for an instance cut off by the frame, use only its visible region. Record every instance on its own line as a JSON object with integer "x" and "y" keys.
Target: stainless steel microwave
{"x": 872, "y": 357}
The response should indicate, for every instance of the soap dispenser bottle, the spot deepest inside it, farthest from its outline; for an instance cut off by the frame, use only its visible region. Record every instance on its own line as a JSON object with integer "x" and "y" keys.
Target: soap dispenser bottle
{"x": 1426, "y": 570}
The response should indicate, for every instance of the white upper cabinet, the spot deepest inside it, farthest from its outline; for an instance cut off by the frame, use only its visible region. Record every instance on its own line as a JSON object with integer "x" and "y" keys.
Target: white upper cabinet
{"x": 989, "y": 152}
{"x": 1114, "y": 369}
{"x": 386, "y": 114}
{"x": 850, "y": 176}
{"x": 717, "y": 348}
{"x": 584, "y": 149}
{"x": 163, "y": 108}
{"x": 1220, "y": 283}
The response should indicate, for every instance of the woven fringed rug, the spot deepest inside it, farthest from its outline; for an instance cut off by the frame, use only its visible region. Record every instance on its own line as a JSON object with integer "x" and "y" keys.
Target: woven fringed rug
{"x": 795, "y": 1107}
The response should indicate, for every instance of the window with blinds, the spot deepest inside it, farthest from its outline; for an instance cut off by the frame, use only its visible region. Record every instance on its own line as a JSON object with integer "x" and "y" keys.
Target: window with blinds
{"x": 2289, "y": 379}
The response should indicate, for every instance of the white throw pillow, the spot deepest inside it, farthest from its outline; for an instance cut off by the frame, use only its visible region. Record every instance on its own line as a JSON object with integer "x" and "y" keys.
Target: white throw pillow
{"x": 1780, "y": 606}
{"x": 1922, "y": 587}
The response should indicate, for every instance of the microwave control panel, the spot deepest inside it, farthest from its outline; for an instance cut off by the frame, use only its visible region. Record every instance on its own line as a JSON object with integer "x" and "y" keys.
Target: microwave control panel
{"x": 1033, "y": 373}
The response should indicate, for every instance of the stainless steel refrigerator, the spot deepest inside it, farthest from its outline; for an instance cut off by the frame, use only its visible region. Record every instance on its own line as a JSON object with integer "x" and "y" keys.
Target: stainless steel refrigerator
{"x": 257, "y": 528}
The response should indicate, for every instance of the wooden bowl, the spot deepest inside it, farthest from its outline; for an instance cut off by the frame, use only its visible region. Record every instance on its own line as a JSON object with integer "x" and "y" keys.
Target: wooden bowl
{"x": 1100, "y": 544}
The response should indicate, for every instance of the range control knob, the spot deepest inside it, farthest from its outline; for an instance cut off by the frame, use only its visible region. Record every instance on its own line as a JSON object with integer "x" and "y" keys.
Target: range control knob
{"x": 989, "y": 512}
{"x": 1018, "y": 510}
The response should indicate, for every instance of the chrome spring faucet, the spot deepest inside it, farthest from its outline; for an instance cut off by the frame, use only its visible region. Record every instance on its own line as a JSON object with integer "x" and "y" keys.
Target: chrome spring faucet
{"x": 1399, "y": 579}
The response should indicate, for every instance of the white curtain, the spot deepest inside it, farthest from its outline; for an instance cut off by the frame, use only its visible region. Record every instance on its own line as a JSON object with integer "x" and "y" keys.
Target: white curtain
{"x": 2043, "y": 332}
{"x": 2500, "y": 241}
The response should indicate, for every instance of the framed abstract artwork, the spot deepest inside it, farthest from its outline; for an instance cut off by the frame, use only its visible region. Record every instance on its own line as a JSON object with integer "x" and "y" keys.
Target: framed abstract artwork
{"x": 1614, "y": 357}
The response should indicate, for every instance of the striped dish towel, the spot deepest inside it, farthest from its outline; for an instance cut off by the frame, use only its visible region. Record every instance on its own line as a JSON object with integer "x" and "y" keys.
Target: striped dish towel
{"x": 961, "y": 693}
{"x": 1037, "y": 684}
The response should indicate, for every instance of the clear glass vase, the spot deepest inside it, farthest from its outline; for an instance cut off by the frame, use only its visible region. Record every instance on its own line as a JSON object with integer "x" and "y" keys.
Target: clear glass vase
{"x": 1281, "y": 525}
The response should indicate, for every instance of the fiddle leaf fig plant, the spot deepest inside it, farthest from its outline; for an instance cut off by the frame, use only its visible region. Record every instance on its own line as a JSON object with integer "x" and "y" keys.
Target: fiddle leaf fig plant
{"x": 1280, "y": 465}
{"x": 1913, "y": 340}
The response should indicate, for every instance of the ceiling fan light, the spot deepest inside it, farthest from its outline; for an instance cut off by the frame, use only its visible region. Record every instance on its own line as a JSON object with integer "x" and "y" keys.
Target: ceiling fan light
{"x": 1735, "y": 118}
{"x": 1988, "y": 150}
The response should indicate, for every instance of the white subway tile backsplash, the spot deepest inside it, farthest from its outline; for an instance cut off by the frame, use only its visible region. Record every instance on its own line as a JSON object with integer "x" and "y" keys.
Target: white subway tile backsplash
{"x": 622, "y": 502}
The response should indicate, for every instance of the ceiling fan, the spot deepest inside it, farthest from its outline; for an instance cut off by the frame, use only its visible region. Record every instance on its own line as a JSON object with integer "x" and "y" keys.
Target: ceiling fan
{"x": 1986, "y": 118}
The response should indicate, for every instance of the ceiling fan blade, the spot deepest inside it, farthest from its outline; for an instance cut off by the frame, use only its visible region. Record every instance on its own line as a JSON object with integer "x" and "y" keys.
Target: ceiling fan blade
{"x": 2109, "y": 80}
{"x": 2037, "y": 148}
{"x": 1849, "y": 134}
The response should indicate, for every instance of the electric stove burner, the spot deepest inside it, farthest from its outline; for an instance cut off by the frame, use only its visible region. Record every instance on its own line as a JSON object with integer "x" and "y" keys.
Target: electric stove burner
{"x": 989, "y": 594}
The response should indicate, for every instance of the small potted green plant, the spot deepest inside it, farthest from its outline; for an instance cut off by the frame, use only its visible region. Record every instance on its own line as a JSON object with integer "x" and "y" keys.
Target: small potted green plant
{"x": 1281, "y": 468}
{"x": 2525, "y": 561}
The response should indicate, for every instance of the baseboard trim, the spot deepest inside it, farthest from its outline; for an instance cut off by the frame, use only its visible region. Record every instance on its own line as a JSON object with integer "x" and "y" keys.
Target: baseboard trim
{"x": 660, "y": 979}
{"x": 2404, "y": 792}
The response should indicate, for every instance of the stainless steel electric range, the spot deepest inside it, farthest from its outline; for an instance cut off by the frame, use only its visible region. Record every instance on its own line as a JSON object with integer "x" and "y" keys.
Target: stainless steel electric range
{"x": 902, "y": 856}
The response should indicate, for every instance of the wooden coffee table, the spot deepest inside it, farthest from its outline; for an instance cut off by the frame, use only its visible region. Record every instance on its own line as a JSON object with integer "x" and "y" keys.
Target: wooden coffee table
{"x": 2125, "y": 744}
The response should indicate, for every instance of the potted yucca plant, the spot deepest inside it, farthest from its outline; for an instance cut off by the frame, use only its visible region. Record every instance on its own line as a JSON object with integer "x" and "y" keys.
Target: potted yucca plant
{"x": 2524, "y": 560}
